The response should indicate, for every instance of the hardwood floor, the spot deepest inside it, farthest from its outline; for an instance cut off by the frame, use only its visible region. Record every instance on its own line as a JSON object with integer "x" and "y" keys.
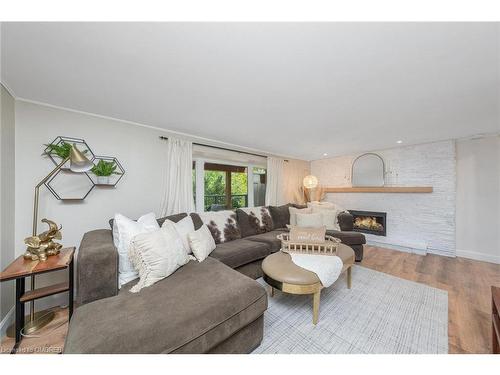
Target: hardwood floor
{"x": 50, "y": 341}
{"x": 467, "y": 281}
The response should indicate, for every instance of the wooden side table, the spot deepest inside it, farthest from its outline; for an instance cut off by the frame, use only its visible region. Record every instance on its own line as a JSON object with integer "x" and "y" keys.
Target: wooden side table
{"x": 21, "y": 268}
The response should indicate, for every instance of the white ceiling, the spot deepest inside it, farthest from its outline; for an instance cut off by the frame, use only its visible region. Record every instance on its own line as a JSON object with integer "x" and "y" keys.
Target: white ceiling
{"x": 298, "y": 89}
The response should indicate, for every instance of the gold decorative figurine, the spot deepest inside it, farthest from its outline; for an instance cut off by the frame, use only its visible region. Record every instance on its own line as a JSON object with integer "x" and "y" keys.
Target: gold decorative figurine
{"x": 42, "y": 245}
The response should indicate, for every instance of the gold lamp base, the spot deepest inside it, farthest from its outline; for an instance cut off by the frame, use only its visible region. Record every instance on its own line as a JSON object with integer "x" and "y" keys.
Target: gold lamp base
{"x": 41, "y": 319}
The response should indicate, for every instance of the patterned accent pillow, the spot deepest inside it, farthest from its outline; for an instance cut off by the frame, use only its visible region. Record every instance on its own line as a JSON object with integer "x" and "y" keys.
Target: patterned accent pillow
{"x": 222, "y": 224}
{"x": 254, "y": 220}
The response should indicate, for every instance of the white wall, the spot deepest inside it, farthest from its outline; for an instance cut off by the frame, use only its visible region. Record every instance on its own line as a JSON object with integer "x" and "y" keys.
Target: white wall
{"x": 419, "y": 222}
{"x": 138, "y": 149}
{"x": 7, "y": 193}
{"x": 478, "y": 199}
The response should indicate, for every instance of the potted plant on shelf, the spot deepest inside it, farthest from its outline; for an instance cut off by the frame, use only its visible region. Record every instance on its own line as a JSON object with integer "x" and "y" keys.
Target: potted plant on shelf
{"x": 60, "y": 150}
{"x": 103, "y": 170}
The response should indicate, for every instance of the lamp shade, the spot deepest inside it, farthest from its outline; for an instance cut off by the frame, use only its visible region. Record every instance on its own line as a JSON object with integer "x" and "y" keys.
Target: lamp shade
{"x": 78, "y": 162}
{"x": 310, "y": 182}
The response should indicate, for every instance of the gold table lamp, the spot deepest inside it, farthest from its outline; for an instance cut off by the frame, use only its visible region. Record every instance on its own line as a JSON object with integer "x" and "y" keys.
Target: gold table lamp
{"x": 79, "y": 164}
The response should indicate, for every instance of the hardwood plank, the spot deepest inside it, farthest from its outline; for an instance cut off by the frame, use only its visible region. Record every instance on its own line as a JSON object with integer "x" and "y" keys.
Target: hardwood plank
{"x": 380, "y": 189}
{"x": 45, "y": 291}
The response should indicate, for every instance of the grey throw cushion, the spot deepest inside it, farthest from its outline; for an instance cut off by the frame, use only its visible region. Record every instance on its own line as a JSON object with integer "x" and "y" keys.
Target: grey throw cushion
{"x": 280, "y": 215}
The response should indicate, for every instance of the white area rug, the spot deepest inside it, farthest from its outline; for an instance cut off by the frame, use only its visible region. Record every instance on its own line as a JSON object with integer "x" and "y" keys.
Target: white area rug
{"x": 380, "y": 314}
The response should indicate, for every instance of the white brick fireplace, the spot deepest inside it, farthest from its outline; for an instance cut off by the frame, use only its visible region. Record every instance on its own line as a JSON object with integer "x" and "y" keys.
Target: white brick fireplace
{"x": 420, "y": 222}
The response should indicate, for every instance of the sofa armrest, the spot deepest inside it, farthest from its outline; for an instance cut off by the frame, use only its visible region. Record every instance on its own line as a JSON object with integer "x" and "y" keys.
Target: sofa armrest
{"x": 96, "y": 267}
{"x": 346, "y": 221}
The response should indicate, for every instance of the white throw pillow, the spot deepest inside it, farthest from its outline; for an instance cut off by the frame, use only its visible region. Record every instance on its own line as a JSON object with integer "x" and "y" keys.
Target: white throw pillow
{"x": 156, "y": 255}
{"x": 327, "y": 205}
{"x": 330, "y": 217}
{"x": 294, "y": 211}
{"x": 321, "y": 204}
{"x": 310, "y": 220}
{"x": 202, "y": 243}
{"x": 123, "y": 231}
{"x": 183, "y": 227}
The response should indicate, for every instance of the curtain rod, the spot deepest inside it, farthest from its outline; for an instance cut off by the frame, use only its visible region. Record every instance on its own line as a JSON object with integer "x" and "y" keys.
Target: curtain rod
{"x": 223, "y": 148}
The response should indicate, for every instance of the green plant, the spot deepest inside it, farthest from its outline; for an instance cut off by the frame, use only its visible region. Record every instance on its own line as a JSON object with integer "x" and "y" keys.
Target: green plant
{"x": 105, "y": 168}
{"x": 61, "y": 150}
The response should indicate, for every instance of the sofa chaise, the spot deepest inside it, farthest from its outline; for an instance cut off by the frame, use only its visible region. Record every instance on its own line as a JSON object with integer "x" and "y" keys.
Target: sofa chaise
{"x": 215, "y": 306}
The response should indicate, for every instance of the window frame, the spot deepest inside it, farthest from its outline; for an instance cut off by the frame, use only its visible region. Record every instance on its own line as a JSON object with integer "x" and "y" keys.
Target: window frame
{"x": 200, "y": 179}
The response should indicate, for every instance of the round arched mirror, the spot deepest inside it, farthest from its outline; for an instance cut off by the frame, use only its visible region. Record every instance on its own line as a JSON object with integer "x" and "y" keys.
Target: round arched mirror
{"x": 368, "y": 170}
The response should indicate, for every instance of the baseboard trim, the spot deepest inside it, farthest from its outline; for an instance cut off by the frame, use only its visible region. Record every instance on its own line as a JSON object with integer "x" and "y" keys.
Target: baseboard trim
{"x": 404, "y": 249}
{"x": 478, "y": 256}
{"x": 441, "y": 253}
{"x": 6, "y": 322}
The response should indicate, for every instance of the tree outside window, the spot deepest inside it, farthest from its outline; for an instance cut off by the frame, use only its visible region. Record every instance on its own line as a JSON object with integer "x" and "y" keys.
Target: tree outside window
{"x": 226, "y": 187}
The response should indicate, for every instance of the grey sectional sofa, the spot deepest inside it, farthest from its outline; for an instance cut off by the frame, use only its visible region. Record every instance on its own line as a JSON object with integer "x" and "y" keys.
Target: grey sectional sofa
{"x": 215, "y": 306}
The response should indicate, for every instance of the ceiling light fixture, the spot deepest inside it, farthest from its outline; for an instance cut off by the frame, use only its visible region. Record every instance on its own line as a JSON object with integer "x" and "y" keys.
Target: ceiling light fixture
{"x": 399, "y": 142}
{"x": 325, "y": 154}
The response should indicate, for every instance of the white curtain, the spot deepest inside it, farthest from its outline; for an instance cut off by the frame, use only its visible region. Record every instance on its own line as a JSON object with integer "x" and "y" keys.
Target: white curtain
{"x": 275, "y": 182}
{"x": 178, "y": 180}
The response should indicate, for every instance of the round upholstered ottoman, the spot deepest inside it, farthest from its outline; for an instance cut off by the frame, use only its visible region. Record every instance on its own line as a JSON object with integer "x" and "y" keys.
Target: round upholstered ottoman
{"x": 282, "y": 274}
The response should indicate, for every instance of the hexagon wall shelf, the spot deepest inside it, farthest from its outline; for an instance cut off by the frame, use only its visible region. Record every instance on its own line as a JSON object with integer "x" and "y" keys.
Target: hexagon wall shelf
{"x": 111, "y": 180}
{"x": 66, "y": 185}
{"x": 80, "y": 143}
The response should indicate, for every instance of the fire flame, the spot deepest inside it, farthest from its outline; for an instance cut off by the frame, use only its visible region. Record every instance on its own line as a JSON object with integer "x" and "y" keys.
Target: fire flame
{"x": 368, "y": 222}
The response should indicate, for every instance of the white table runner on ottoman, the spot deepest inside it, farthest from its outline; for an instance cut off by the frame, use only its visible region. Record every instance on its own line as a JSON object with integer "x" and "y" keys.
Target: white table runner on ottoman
{"x": 326, "y": 267}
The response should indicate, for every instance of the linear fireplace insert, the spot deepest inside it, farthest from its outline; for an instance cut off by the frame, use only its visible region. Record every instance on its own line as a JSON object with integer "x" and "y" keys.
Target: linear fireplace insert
{"x": 370, "y": 222}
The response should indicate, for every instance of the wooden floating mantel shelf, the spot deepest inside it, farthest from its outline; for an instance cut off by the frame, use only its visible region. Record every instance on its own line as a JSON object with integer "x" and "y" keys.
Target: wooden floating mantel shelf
{"x": 380, "y": 189}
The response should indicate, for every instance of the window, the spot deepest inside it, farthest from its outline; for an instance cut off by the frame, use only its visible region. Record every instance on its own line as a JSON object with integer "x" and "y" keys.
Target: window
{"x": 226, "y": 187}
{"x": 259, "y": 186}
{"x": 223, "y": 186}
